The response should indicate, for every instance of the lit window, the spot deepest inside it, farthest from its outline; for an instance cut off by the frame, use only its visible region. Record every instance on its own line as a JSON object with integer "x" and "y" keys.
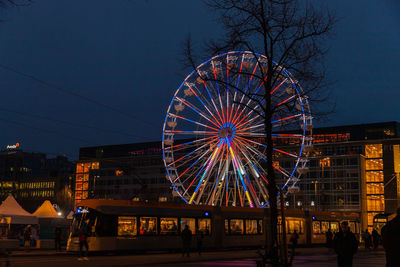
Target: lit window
{"x": 294, "y": 225}
{"x": 226, "y": 226}
{"x": 168, "y": 226}
{"x": 316, "y": 227}
{"x": 251, "y": 227}
{"x": 373, "y": 151}
{"x": 334, "y": 227}
{"x": 190, "y": 222}
{"x": 127, "y": 226}
{"x": 324, "y": 227}
{"x": 205, "y": 226}
{"x": 236, "y": 226}
{"x": 148, "y": 226}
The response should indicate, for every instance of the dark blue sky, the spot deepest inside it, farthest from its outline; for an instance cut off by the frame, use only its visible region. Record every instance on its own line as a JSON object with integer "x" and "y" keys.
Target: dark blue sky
{"x": 125, "y": 54}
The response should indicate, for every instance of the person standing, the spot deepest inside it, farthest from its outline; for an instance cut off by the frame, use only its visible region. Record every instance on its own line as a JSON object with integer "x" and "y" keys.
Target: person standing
{"x": 367, "y": 240}
{"x": 345, "y": 244}
{"x": 294, "y": 239}
{"x": 390, "y": 241}
{"x": 329, "y": 238}
{"x": 83, "y": 243}
{"x": 186, "y": 240}
{"x": 199, "y": 237}
{"x": 27, "y": 238}
{"x": 375, "y": 238}
{"x": 57, "y": 238}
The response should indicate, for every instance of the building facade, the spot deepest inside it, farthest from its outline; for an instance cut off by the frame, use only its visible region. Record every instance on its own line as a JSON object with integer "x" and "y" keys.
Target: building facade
{"x": 352, "y": 168}
{"x": 130, "y": 171}
{"x": 32, "y": 178}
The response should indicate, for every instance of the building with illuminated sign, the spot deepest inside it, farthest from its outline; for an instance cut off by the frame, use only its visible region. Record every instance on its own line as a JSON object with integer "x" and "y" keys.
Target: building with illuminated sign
{"x": 32, "y": 178}
{"x": 352, "y": 168}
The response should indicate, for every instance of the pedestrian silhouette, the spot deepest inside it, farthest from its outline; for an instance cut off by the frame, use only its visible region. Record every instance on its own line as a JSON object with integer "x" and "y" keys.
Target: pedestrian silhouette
{"x": 367, "y": 239}
{"x": 391, "y": 241}
{"x": 345, "y": 245}
{"x": 329, "y": 238}
{"x": 375, "y": 238}
{"x": 186, "y": 240}
{"x": 57, "y": 238}
{"x": 199, "y": 237}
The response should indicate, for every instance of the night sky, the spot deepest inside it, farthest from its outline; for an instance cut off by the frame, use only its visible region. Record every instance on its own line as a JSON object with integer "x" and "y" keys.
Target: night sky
{"x": 113, "y": 67}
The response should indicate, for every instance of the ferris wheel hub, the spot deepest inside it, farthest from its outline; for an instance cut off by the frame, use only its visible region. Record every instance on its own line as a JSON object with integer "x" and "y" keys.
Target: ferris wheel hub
{"x": 226, "y": 132}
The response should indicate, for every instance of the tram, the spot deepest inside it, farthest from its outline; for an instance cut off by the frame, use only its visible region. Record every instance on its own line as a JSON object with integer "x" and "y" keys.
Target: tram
{"x": 118, "y": 225}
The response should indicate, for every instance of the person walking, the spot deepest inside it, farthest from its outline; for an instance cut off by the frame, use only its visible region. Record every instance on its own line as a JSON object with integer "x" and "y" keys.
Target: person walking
{"x": 367, "y": 240}
{"x": 186, "y": 240}
{"x": 27, "y": 238}
{"x": 390, "y": 241}
{"x": 294, "y": 240}
{"x": 57, "y": 238}
{"x": 199, "y": 237}
{"x": 329, "y": 238}
{"x": 83, "y": 243}
{"x": 375, "y": 239}
{"x": 345, "y": 244}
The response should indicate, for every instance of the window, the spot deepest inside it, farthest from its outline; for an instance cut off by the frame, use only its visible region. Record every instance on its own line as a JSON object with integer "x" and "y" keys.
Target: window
{"x": 148, "y": 225}
{"x": 334, "y": 227}
{"x": 251, "y": 227}
{"x": 204, "y": 226}
{"x": 168, "y": 226}
{"x": 374, "y": 164}
{"x": 226, "y": 227}
{"x": 373, "y": 151}
{"x": 190, "y": 222}
{"x": 127, "y": 226}
{"x": 352, "y": 226}
{"x": 260, "y": 226}
{"x": 294, "y": 225}
{"x": 316, "y": 227}
{"x": 236, "y": 226}
{"x": 324, "y": 226}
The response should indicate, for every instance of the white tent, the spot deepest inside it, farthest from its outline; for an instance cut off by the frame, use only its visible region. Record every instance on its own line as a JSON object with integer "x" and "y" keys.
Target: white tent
{"x": 46, "y": 210}
{"x": 11, "y": 208}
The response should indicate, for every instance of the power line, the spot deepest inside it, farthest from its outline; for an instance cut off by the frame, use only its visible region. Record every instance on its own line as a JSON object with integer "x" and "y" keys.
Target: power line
{"x": 69, "y": 123}
{"x": 45, "y": 130}
{"x": 65, "y": 91}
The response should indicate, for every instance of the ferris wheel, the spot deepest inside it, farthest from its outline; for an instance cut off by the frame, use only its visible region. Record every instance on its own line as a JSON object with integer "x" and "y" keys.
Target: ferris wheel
{"x": 213, "y": 132}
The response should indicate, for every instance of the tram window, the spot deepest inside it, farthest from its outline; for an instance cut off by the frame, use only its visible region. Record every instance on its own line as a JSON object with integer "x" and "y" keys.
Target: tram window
{"x": 324, "y": 227}
{"x": 127, "y": 226}
{"x": 204, "y": 226}
{"x": 294, "y": 225}
{"x": 260, "y": 226}
{"x": 169, "y": 226}
{"x": 148, "y": 225}
{"x": 251, "y": 227}
{"x": 352, "y": 226}
{"x": 226, "y": 227}
{"x": 236, "y": 226}
{"x": 334, "y": 227}
{"x": 316, "y": 227}
{"x": 191, "y": 222}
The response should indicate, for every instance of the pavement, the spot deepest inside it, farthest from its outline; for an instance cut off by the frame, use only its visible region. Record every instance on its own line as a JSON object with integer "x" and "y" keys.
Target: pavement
{"x": 312, "y": 257}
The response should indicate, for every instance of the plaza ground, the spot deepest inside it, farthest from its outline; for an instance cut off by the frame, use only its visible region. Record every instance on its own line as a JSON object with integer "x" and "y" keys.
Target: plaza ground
{"x": 305, "y": 257}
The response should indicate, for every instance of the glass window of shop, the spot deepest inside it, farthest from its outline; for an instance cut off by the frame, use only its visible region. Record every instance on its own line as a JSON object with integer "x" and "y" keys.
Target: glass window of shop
{"x": 316, "y": 225}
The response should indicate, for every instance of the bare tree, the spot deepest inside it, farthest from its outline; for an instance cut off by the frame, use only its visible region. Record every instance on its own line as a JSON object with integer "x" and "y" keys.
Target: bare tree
{"x": 291, "y": 34}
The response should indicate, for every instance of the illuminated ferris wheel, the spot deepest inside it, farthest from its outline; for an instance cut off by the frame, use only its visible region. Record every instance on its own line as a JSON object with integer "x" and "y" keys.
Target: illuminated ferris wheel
{"x": 213, "y": 132}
